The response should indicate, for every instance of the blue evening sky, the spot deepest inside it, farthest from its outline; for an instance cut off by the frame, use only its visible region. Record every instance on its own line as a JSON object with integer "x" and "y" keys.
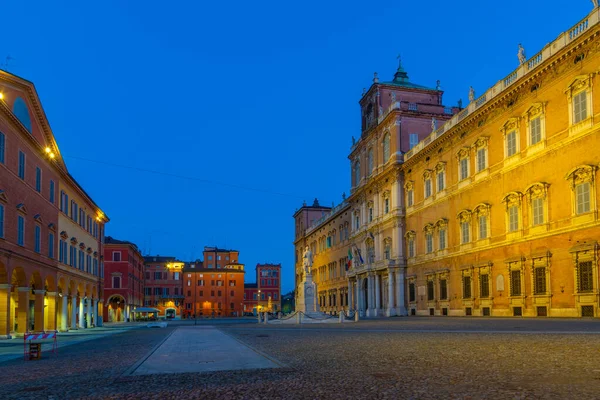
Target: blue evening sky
{"x": 243, "y": 94}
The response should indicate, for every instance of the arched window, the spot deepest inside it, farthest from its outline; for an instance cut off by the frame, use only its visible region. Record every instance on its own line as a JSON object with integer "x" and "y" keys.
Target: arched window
{"x": 22, "y": 113}
{"x": 386, "y": 147}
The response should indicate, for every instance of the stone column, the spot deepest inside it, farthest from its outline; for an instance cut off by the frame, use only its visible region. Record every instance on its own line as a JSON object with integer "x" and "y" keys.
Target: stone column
{"x": 5, "y": 320}
{"x": 74, "y": 304}
{"x": 349, "y": 305}
{"x": 400, "y": 304}
{"x": 51, "y": 311}
{"x": 23, "y": 310}
{"x": 390, "y": 307}
{"x": 95, "y": 312}
{"x": 377, "y": 294}
{"x": 39, "y": 310}
{"x": 64, "y": 314}
{"x": 357, "y": 294}
{"x": 88, "y": 315}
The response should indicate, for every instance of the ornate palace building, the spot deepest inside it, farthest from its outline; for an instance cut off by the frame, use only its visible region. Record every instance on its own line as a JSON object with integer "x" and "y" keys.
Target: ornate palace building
{"x": 396, "y": 115}
{"x": 51, "y": 231}
{"x": 124, "y": 279}
{"x": 326, "y": 231}
{"x": 501, "y": 201}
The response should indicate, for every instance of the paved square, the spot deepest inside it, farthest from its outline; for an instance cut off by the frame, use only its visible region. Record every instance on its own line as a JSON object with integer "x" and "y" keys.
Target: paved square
{"x": 201, "y": 349}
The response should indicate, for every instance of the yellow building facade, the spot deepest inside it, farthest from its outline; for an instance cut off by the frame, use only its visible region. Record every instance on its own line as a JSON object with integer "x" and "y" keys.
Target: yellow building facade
{"x": 326, "y": 231}
{"x": 502, "y": 200}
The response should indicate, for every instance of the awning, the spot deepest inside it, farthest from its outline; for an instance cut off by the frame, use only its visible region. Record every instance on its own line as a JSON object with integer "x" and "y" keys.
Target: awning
{"x": 146, "y": 310}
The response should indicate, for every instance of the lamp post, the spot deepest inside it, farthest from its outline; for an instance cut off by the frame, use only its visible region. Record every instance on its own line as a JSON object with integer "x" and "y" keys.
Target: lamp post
{"x": 258, "y": 303}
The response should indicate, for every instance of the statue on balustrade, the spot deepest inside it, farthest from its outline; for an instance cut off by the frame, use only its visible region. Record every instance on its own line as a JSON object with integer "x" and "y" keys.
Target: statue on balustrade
{"x": 471, "y": 94}
{"x": 433, "y": 124}
{"x": 595, "y": 3}
{"x": 521, "y": 55}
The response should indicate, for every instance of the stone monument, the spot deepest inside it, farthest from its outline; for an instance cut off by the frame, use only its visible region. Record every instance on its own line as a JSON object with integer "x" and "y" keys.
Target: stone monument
{"x": 306, "y": 301}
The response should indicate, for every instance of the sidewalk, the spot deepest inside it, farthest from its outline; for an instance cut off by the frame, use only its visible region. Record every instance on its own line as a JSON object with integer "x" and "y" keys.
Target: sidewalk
{"x": 13, "y": 348}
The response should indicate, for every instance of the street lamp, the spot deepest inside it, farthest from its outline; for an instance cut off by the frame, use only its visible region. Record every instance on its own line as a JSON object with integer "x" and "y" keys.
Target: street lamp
{"x": 258, "y": 303}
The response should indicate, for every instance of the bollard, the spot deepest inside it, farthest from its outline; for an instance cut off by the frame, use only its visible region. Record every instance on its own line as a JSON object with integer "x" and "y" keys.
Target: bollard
{"x": 259, "y": 318}
{"x": 356, "y": 316}
{"x": 266, "y": 318}
{"x": 341, "y": 317}
{"x": 298, "y": 318}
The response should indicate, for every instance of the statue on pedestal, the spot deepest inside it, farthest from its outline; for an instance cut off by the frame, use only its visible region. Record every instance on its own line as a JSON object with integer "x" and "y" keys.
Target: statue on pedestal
{"x": 595, "y": 3}
{"x": 433, "y": 124}
{"x": 307, "y": 261}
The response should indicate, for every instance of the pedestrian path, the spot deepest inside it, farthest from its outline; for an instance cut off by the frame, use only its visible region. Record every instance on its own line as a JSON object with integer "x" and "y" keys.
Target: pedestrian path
{"x": 200, "y": 349}
{"x": 13, "y": 348}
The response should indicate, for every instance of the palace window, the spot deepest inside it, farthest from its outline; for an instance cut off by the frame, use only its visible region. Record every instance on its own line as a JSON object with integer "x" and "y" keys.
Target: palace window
{"x": 413, "y": 140}
{"x": 582, "y": 197}
{"x": 386, "y": 147}
{"x": 370, "y": 161}
{"x": 387, "y": 249}
{"x": 51, "y": 196}
{"x": 539, "y": 280}
{"x": 386, "y": 205}
{"x": 429, "y": 242}
{"x": 484, "y": 286}
{"x": 464, "y": 168}
{"x": 482, "y": 227}
{"x": 411, "y": 292}
{"x": 585, "y": 277}
{"x": 410, "y": 239}
{"x": 442, "y": 238}
{"x": 430, "y": 290}
{"x": 481, "y": 149}
{"x": 515, "y": 282}
{"x": 116, "y": 282}
{"x": 580, "y": 107}
{"x": 535, "y": 130}
{"x": 357, "y": 173}
{"x": 466, "y": 284}
{"x": 537, "y": 208}
{"x": 441, "y": 179}
{"x": 513, "y": 218}
{"x": 371, "y": 214}
{"x": 443, "y": 289}
{"x": 464, "y": 232}
{"x": 410, "y": 197}
{"x": 427, "y": 188}
{"x": 582, "y": 184}
{"x": 116, "y": 256}
{"x": 511, "y": 143}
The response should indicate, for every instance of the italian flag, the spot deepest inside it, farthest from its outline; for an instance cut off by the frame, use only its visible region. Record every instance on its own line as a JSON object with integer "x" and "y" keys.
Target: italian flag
{"x": 349, "y": 263}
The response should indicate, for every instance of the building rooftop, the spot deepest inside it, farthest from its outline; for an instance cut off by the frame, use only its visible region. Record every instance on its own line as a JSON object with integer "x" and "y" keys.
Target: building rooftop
{"x": 159, "y": 259}
{"x": 250, "y": 285}
{"x": 218, "y": 250}
{"x": 401, "y": 79}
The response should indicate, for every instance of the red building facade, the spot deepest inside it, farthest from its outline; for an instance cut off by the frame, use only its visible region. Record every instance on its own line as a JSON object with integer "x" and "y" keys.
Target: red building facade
{"x": 265, "y": 294}
{"x": 163, "y": 286}
{"x": 38, "y": 290}
{"x": 123, "y": 280}
{"x": 214, "y": 287}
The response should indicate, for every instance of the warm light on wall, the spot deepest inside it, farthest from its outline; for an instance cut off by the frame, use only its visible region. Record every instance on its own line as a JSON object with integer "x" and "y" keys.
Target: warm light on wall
{"x": 1, "y": 96}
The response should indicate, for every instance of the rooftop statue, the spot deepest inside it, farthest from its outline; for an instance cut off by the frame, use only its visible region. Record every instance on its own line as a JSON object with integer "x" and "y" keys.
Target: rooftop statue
{"x": 595, "y": 3}
{"x": 437, "y": 85}
{"x": 433, "y": 124}
{"x": 521, "y": 54}
{"x": 471, "y": 93}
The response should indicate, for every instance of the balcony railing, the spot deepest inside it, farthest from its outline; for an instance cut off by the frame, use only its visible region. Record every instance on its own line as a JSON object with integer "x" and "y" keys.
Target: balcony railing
{"x": 548, "y": 51}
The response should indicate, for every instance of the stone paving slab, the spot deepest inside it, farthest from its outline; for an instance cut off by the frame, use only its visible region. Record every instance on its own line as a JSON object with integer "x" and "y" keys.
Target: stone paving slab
{"x": 201, "y": 349}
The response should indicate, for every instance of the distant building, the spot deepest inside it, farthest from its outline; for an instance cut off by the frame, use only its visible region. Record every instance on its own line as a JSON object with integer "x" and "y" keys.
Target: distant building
{"x": 214, "y": 287}
{"x": 163, "y": 286}
{"x": 265, "y": 294}
{"x": 123, "y": 279}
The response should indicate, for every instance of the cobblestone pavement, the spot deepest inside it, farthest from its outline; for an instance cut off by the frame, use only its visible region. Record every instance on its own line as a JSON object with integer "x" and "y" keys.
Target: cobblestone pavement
{"x": 416, "y": 358}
